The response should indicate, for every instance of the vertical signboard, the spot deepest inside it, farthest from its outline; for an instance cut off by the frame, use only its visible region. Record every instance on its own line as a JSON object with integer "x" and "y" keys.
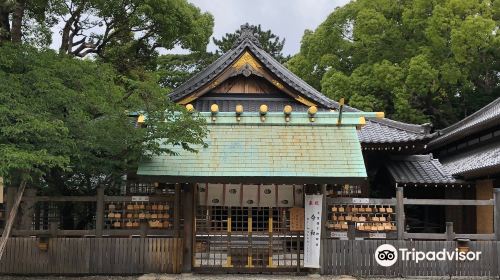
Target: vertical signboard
{"x": 312, "y": 230}
{"x": 297, "y": 219}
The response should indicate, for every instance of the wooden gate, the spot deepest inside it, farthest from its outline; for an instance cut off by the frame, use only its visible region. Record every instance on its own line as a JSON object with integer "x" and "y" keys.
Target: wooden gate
{"x": 246, "y": 239}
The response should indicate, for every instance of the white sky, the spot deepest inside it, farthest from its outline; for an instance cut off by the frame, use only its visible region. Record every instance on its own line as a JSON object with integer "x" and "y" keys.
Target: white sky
{"x": 286, "y": 18}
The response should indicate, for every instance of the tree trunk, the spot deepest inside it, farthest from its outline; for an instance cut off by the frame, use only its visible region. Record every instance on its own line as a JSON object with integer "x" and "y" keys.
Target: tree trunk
{"x": 17, "y": 21}
{"x": 65, "y": 37}
{"x": 4, "y": 25}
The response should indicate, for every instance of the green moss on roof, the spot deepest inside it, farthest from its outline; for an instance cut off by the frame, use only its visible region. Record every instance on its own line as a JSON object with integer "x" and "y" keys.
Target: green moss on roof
{"x": 271, "y": 149}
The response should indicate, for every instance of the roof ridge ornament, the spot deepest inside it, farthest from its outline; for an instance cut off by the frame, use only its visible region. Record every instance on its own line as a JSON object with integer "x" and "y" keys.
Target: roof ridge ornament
{"x": 247, "y": 32}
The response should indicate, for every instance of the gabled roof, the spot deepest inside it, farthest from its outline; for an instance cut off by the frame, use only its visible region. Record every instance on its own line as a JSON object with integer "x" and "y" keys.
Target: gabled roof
{"x": 418, "y": 169}
{"x": 484, "y": 118}
{"x": 474, "y": 161}
{"x": 377, "y": 131}
{"x": 333, "y": 153}
{"x": 212, "y": 71}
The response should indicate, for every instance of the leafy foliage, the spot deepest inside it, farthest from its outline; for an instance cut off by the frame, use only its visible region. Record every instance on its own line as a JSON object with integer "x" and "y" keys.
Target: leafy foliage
{"x": 65, "y": 124}
{"x": 175, "y": 69}
{"x": 125, "y": 33}
{"x": 418, "y": 61}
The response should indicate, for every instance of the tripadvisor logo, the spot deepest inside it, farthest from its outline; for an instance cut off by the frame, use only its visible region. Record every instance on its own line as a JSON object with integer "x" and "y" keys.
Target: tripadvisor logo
{"x": 387, "y": 255}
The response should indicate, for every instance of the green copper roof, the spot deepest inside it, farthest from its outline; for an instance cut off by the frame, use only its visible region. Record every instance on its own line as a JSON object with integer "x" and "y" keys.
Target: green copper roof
{"x": 269, "y": 151}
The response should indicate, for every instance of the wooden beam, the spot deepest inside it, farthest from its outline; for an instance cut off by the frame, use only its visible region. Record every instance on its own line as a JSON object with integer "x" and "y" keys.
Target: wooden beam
{"x": 61, "y": 198}
{"x": 443, "y": 236}
{"x": 487, "y": 236}
{"x": 429, "y": 236}
{"x": 129, "y": 198}
{"x": 457, "y": 202}
{"x": 94, "y": 198}
{"x": 346, "y": 200}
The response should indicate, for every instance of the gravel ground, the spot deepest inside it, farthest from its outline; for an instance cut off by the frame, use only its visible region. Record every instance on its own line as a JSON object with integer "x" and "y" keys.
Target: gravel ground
{"x": 223, "y": 277}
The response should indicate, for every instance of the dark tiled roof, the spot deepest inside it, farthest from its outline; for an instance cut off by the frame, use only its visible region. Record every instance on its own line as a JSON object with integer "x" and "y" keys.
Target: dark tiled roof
{"x": 376, "y": 131}
{"x": 418, "y": 169}
{"x": 208, "y": 74}
{"x": 383, "y": 132}
{"x": 475, "y": 160}
{"x": 485, "y": 118}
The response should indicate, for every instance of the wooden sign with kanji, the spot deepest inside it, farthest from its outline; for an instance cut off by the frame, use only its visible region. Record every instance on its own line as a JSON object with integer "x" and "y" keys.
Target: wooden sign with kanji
{"x": 297, "y": 219}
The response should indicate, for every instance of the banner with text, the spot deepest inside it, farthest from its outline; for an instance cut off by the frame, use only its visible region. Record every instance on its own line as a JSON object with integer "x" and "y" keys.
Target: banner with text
{"x": 312, "y": 230}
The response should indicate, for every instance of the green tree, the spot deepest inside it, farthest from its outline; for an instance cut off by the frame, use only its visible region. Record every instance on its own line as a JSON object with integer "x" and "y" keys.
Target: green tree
{"x": 127, "y": 33}
{"x": 65, "y": 124}
{"x": 175, "y": 69}
{"x": 417, "y": 60}
{"x": 269, "y": 41}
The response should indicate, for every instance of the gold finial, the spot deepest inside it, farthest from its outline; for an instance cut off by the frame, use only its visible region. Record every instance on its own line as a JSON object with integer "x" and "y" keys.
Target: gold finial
{"x": 312, "y": 110}
{"x": 263, "y": 109}
{"x": 239, "y": 109}
{"x": 214, "y": 108}
{"x": 361, "y": 123}
{"x": 141, "y": 119}
{"x": 190, "y": 107}
{"x": 287, "y": 110}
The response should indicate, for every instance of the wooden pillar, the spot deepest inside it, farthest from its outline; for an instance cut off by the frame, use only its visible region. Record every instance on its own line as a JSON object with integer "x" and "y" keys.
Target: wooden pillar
{"x": 456, "y": 214}
{"x": 351, "y": 230}
{"x": 496, "y": 197}
{"x": 484, "y": 214}
{"x": 400, "y": 212}
{"x": 177, "y": 210}
{"x": 99, "y": 215}
{"x": 450, "y": 234}
{"x": 53, "y": 228}
{"x": 188, "y": 207}
{"x": 143, "y": 227}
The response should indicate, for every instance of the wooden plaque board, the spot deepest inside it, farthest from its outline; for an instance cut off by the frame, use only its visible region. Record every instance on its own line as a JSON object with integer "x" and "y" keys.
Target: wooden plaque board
{"x": 297, "y": 219}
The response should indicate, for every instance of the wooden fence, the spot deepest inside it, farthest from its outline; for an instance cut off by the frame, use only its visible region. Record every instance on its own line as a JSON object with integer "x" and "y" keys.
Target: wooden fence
{"x": 77, "y": 256}
{"x": 356, "y": 257}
